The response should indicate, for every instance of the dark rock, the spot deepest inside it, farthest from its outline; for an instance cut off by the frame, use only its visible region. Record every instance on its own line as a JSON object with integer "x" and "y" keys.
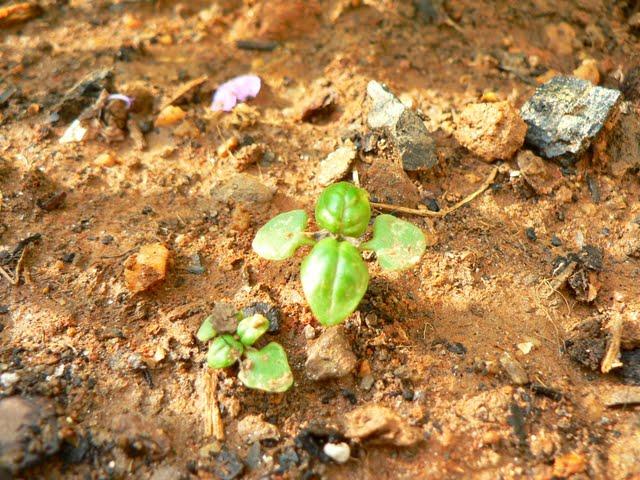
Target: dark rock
{"x": 349, "y": 395}
{"x": 106, "y": 240}
{"x": 594, "y": 188}
{"x": 630, "y": 370}
{"x": 555, "y": 241}
{"x": 313, "y": 440}
{"x": 531, "y": 234}
{"x": 228, "y": 466}
{"x": 4, "y": 309}
{"x": 548, "y": 392}
{"x": 269, "y": 311}
{"x": 565, "y": 114}
{"x": 83, "y": 94}
{"x": 287, "y": 460}
{"x": 68, "y": 257}
{"x": 78, "y": 451}
{"x": 257, "y": 45}
{"x": 456, "y": 347}
{"x": 432, "y": 204}
{"x": 590, "y": 257}
{"x": 29, "y": 434}
{"x": 412, "y": 140}
{"x": 428, "y": 10}
{"x": 587, "y": 343}
{"x": 518, "y": 423}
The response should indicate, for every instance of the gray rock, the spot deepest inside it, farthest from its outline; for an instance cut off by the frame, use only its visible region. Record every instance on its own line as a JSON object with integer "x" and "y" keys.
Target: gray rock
{"x": 330, "y": 356}
{"x": 565, "y": 114}
{"x": 29, "y": 434}
{"x": 405, "y": 129}
{"x": 243, "y": 188}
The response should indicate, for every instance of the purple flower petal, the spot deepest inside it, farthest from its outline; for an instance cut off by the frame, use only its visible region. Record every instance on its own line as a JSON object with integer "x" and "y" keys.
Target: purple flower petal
{"x": 121, "y": 97}
{"x": 236, "y": 90}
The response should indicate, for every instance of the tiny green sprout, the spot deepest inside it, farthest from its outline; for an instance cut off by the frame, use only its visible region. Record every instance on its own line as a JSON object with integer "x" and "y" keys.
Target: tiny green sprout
{"x": 224, "y": 351}
{"x": 334, "y": 277}
{"x": 265, "y": 369}
{"x": 206, "y": 331}
{"x": 252, "y": 328}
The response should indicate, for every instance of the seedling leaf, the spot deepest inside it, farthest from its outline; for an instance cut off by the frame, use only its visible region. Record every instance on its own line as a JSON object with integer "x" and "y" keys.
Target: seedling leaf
{"x": 206, "y": 331}
{"x": 334, "y": 280}
{"x": 224, "y": 351}
{"x": 252, "y": 328}
{"x": 398, "y": 244}
{"x": 267, "y": 369}
{"x": 281, "y": 236}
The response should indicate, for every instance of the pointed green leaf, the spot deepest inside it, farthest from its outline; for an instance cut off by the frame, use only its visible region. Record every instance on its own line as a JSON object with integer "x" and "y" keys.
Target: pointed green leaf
{"x": 398, "y": 244}
{"x": 252, "y": 328}
{"x": 334, "y": 280}
{"x": 281, "y": 236}
{"x": 206, "y": 331}
{"x": 224, "y": 351}
{"x": 267, "y": 369}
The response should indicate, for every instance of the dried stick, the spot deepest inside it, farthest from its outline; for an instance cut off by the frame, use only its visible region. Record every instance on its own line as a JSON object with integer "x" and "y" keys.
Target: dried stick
{"x": 213, "y": 420}
{"x": 443, "y": 213}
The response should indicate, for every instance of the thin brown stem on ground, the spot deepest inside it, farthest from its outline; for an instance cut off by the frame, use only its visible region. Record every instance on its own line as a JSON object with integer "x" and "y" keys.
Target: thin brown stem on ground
{"x": 442, "y": 213}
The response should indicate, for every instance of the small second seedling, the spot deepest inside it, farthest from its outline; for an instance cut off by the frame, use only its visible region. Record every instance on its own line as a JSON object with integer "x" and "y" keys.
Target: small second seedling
{"x": 265, "y": 369}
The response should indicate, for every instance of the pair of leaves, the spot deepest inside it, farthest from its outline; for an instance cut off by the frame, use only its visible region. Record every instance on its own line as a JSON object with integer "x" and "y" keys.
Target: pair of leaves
{"x": 398, "y": 244}
{"x": 265, "y": 369}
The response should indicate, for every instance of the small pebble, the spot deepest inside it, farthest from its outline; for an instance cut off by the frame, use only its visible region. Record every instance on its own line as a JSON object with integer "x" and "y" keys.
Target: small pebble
{"x": 367, "y": 382}
{"x": 432, "y": 204}
{"x": 309, "y": 332}
{"x": 457, "y": 348}
{"x": 531, "y": 234}
{"x": 339, "y": 452}
{"x": 195, "y": 266}
{"x": 106, "y": 240}
{"x": 408, "y": 394}
{"x": 555, "y": 241}
{"x": 9, "y": 379}
{"x": 68, "y": 257}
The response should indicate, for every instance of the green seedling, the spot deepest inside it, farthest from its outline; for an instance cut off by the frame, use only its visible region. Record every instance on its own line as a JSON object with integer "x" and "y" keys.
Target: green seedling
{"x": 265, "y": 369}
{"x": 334, "y": 277}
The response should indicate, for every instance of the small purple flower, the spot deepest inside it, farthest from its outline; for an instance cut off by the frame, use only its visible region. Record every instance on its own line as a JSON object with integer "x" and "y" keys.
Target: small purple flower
{"x": 122, "y": 98}
{"x": 236, "y": 90}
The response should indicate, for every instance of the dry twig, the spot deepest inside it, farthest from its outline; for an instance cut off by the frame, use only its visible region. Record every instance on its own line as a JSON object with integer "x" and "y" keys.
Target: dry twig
{"x": 442, "y": 213}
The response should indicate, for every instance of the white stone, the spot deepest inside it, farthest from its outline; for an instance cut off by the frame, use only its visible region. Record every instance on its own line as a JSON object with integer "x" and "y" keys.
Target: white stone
{"x": 9, "y": 379}
{"x": 340, "y": 452}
